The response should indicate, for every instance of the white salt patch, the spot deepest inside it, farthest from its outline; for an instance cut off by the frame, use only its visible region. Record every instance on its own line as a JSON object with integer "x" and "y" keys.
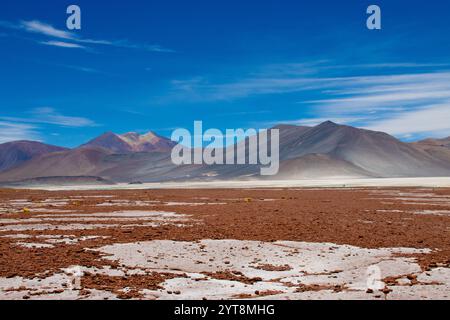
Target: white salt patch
{"x": 434, "y": 284}
{"x": 311, "y": 263}
{"x": 85, "y": 219}
{"x": 50, "y": 210}
{"x": 212, "y": 289}
{"x": 90, "y": 226}
{"x": 17, "y": 236}
{"x": 133, "y": 214}
{"x": 74, "y": 240}
{"x": 174, "y": 203}
{"x": 17, "y": 203}
{"x": 34, "y": 245}
{"x": 41, "y": 227}
{"x": 127, "y": 203}
{"x": 434, "y": 212}
{"x": 10, "y": 221}
{"x": 366, "y": 221}
{"x": 436, "y": 200}
{"x": 94, "y": 196}
{"x": 140, "y": 219}
{"x": 56, "y": 287}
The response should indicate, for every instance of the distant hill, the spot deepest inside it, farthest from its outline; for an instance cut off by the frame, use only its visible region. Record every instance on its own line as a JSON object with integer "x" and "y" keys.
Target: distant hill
{"x": 437, "y": 148}
{"x": 436, "y": 142}
{"x": 15, "y": 153}
{"x": 77, "y": 162}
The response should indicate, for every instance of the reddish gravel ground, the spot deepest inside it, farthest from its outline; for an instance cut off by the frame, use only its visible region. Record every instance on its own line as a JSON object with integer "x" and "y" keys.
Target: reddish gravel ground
{"x": 367, "y": 218}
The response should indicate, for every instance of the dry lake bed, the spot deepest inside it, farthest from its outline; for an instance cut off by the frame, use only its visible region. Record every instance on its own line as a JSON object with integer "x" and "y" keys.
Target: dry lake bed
{"x": 273, "y": 243}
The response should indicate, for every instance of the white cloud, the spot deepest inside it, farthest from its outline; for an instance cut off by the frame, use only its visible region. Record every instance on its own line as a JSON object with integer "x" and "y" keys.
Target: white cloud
{"x": 45, "y": 29}
{"x": 202, "y": 90}
{"x": 80, "y": 68}
{"x": 388, "y": 90}
{"x": 432, "y": 120}
{"x": 11, "y": 131}
{"x": 27, "y": 128}
{"x": 400, "y": 65}
{"x": 341, "y": 90}
{"x": 402, "y": 104}
{"x": 50, "y": 116}
{"x": 63, "y": 44}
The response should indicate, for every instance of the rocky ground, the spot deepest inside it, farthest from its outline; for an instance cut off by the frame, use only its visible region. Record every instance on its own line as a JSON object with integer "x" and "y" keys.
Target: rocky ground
{"x": 352, "y": 243}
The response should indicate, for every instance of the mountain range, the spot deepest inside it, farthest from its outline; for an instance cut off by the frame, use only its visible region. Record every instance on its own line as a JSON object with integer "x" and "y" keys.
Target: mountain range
{"x": 322, "y": 151}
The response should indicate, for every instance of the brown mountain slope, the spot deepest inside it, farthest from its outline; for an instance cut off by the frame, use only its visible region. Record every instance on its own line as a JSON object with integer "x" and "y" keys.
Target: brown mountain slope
{"x": 369, "y": 153}
{"x": 314, "y": 166}
{"x": 436, "y": 148}
{"x": 15, "y": 153}
{"x": 77, "y": 162}
{"x": 375, "y": 152}
{"x": 436, "y": 142}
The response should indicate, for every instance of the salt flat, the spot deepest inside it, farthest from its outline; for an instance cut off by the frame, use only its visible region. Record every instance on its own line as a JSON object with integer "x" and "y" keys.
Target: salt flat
{"x": 341, "y": 182}
{"x": 236, "y": 243}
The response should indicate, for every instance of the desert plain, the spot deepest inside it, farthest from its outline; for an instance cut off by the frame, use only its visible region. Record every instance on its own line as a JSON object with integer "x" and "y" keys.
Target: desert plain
{"x": 346, "y": 241}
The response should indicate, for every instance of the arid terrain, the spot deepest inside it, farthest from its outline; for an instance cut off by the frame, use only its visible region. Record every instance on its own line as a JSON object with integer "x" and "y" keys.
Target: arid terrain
{"x": 277, "y": 243}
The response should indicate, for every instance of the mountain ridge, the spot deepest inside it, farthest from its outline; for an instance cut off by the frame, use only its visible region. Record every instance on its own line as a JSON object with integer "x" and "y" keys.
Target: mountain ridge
{"x": 327, "y": 149}
{"x": 14, "y": 153}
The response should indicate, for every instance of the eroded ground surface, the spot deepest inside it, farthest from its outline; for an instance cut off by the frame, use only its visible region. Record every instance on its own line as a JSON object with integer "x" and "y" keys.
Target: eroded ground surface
{"x": 372, "y": 243}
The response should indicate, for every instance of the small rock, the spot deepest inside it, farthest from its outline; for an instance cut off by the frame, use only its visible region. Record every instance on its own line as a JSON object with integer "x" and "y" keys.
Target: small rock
{"x": 386, "y": 290}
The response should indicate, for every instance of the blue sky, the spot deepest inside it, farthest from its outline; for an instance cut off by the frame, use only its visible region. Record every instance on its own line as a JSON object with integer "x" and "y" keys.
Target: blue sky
{"x": 159, "y": 65}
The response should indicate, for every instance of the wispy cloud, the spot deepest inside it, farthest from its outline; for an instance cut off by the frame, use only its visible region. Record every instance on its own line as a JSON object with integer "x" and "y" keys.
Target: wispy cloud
{"x": 51, "y": 116}
{"x": 243, "y": 113}
{"x": 80, "y": 68}
{"x": 45, "y": 29}
{"x": 408, "y": 101}
{"x": 72, "y": 67}
{"x": 402, "y": 105}
{"x": 11, "y": 131}
{"x": 400, "y": 65}
{"x": 28, "y": 128}
{"x": 199, "y": 89}
{"x": 63, "y": 44}
{"x": 203, "y": 89}
{"x": 377, "y": 92}
{"x": 66, "y": 39}
{"x": 430, "y": 120}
